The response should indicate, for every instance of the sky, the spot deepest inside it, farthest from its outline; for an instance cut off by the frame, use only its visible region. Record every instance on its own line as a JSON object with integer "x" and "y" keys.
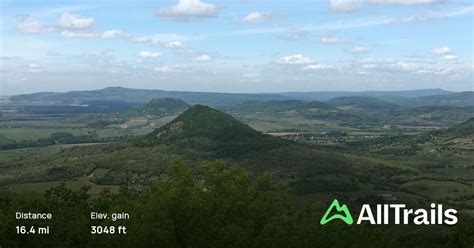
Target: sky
{"x": 236, "y": 45}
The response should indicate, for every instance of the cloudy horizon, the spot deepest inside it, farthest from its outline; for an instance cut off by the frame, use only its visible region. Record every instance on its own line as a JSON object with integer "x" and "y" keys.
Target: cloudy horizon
{"x": 247, "y": 46}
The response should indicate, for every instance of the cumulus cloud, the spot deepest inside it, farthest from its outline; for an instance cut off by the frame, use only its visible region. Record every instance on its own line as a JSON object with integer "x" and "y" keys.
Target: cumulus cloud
{"x": 77, "y": 34}
{"x": 70, "y": 21}
{"x": 203, "y": 58}
{"x": 317, "y": 67}
{"x": 406, "y": 66}
{"x": 149, "y": 54}
{"x": 30, "y": 26}
{"x": 441, "y": 50}
{"x": 174, "y": 44}
{"x": 188, "y": 10}
{"x": 360, "y": 49}
{"x": 369, "y": 66}
{"x": 168, "y": 69}
{"x": 354, "y": 5}
{"x": 344, "y": 5}
{"x": 257, "y": 17}
{"x": 445, "y": 52}
{"x": 34, "y": 68}
{"x": 112, "y": 34}
{"x": 450, "y": 57}
{"x": 403, "y": 2}
{"x": 295, "y": 59}
{"x": 330, "y": 39}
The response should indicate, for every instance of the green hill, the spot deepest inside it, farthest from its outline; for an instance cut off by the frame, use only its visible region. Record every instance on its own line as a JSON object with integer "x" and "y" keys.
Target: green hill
{"x": 360, "y": 102}
{"x": 204, "y": 129}
{"x": 163, "y": 107}
{"x": 279, "y": 107}
{"x": 464, "y": 129}
{"x": 444, "y": 142}
{"x": 453, "y": 99}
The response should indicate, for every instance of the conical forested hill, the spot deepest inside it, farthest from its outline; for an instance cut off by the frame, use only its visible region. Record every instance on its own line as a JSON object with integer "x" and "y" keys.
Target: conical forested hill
{"x": 205, "y": 129}
{"x": 164, "y": 107}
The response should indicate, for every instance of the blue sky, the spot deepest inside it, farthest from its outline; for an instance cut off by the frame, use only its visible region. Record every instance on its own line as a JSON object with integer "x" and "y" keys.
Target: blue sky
{"x": 237, "y": 46}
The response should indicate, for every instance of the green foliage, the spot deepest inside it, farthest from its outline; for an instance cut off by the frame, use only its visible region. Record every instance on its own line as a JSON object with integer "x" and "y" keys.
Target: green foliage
{"x": 367, "y": 103}
{"x": 205, "y": 129}
{"x": 163, "y": 107}
{"x": 219, "y": 207}
{"x": 462, "y": 235}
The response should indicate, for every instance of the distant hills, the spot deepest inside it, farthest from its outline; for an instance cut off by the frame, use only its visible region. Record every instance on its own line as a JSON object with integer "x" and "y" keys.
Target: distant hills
{"x": 274, "y": 107}
{"x": 433, "y": 143}
{"x": 327, "y": 95}
{"x": 163, "y": 107}
{"x": 454, "y": 99}
{"x": 223, "y": 100}
{"x": 361, "y": 102}
{"x": 142, "y": 96}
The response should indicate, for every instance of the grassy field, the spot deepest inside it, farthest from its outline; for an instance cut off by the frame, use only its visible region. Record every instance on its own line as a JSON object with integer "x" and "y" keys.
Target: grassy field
{"x": 73, "y": 185}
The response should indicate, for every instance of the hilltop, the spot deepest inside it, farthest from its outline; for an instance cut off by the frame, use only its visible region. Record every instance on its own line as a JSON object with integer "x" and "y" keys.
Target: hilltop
{"x": 206, "y": 129}
{"x": 163, "y": 107}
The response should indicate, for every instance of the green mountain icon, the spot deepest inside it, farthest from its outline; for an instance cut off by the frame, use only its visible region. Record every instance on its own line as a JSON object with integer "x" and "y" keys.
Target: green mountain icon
{"x": 346, "y": 216}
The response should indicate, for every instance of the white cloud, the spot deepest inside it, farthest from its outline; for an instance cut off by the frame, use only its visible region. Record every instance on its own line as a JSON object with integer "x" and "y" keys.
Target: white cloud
{"x": 369, "y": 66}
{"x": 295, "y": 59}
{"x": 445, "y": 52}
{"x": 450, "y": 57}
{"x": 148, "y": 54}
{"x": 203, "y": 58}
{"x": 360, "y": 49}
{"x": 344, "y": 5}
{"x": 403, "y": 2}
{"x": 168, "y": 69}
{"x": 188, "y": 10}
{"x": 174, "y": 44}
{"x": 34, "y": 68}
{"x": 257, "y": 17}
{"x": 405, "y": 66}
{"x": 330, "y": 39}
{"x": 441, "y": 50}
{"x": 77, "y": 34}
{"x": 354, "y": 5}
{"x": 70, "y": 21}
{"x": 30, "y": 26}
{"x": 112, "y": 34}
{"x": 317, "y": 67}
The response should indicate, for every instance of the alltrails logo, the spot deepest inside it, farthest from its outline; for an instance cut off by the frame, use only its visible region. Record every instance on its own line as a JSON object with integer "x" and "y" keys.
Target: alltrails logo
{"x": 402, "y": 215}
{"x": 345, "y": 216}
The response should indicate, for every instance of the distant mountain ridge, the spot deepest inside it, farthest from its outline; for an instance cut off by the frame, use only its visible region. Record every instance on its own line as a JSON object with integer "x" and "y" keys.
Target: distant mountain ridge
{"x": 465, "y": 98}
{"x": 207, "y": 98}
{"x": 327, "y": 95}
{"x": 278, "y": 107}
{"x": 362, "y": 102}
{"x": 144, "y": 95}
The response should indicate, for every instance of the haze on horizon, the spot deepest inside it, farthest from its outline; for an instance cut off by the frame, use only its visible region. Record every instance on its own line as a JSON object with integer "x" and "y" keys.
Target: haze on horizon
{"x": 238, "y": 46}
